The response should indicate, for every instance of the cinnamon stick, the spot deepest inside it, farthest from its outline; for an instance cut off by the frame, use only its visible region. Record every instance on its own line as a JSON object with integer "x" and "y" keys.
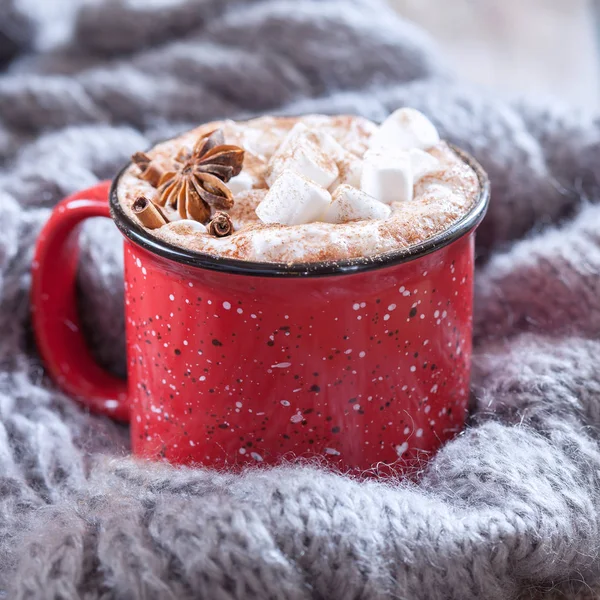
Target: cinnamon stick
{"x": 220, "y": 225}
{"x": 149, "y": 215}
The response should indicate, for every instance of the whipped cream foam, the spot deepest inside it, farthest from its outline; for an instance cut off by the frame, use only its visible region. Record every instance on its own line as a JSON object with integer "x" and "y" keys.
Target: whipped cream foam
{"x": 323, "y": 188}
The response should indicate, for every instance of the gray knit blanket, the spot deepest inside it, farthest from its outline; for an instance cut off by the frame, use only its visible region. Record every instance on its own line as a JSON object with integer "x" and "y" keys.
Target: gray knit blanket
{"x": 509, "y": 509}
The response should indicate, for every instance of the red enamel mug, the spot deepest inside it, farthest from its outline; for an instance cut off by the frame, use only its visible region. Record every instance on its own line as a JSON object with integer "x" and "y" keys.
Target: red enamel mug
{"x": 364, "y": 363}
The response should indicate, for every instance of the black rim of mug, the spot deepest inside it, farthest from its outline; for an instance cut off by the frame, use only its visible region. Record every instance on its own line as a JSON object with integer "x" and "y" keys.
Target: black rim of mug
{"x": 138, "y": 235}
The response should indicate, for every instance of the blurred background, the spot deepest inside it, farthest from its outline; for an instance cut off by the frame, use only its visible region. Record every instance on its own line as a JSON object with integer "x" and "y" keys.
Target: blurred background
{"x": 541, "y": 47}
{"x": 544, "y": 47}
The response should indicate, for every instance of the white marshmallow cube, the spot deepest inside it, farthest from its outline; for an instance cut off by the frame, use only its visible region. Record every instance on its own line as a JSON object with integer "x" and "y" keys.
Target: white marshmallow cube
{"x": 183, "y": 226}
{"x": 404, "y": 129}
{"x": 300, "y": 152}
{"x": 293, "y": 200}
{"x": 350, "y": 204}
{"x": 330, "y": 146}
{"x": 422, "y": 163}
{"x": 298, "y": 131}
{"x": 349, "y": 165}
{"x": 240, "y": 183}
{"x": 387, "y": 177}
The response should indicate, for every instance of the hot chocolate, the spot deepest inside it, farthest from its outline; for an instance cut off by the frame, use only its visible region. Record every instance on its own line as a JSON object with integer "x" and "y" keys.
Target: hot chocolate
{"x": 303, "y": 189}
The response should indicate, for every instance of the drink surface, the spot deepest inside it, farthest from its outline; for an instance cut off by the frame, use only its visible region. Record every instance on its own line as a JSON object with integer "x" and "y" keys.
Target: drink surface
{"x": 317, "y": 188}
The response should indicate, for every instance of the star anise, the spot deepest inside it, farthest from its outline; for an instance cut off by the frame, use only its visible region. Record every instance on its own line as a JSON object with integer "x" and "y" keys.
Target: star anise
{"x": 151, "y": 171}
{"x": 197, "y": 183}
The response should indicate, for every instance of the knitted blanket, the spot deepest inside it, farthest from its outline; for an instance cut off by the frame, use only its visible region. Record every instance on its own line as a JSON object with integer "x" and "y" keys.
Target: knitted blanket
{"x": 510, "y": 508}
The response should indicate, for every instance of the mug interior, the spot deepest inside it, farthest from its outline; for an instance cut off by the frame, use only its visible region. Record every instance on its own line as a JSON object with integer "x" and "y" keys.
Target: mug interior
{"x": 137, "y": 234}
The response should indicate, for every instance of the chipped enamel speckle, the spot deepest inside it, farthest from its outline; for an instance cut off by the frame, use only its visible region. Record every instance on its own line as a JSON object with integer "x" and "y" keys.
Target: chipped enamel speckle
{"x": 361, "y": 370}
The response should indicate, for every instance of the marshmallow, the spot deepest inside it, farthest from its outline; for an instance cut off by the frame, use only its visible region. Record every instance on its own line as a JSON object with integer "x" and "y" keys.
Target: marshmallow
{"x": 350, "y": 204}
{"x": 300, "y": 152}
{"x": 183, "y": 226}
{"x": 405, "y": 128}
{"x": 240, "y": 183}
{"x": 171, "y": 213}
{"x": 329, "y": 145}
{"x": 293, "y": 200}
{"x": 348, "y": 164}
{"x": 387, "y": 177}
{"x": 422, "y": 163}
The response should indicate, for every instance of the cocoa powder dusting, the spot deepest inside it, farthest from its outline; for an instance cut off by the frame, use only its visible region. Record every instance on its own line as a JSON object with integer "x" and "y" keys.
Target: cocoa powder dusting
{"x": 440, "y": 198}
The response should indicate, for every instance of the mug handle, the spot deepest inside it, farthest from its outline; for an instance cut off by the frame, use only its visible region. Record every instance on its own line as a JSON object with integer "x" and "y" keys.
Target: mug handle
{"x": 54, "y": 309}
